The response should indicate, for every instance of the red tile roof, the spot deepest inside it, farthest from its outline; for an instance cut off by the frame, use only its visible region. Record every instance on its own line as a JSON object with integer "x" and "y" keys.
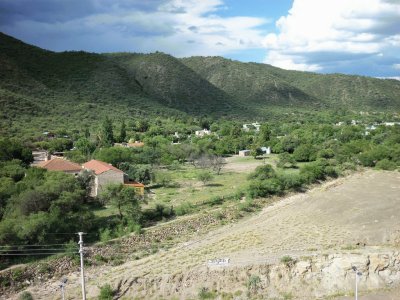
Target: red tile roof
{"x": 60, "y": 164}
{"x": 135, "y": 144}
{"x": 134, "y": 184}
{"x": 99, "y": 167}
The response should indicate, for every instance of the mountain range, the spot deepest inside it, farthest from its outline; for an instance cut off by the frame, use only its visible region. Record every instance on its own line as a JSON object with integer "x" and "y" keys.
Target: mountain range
{"x": 40, "y": 87}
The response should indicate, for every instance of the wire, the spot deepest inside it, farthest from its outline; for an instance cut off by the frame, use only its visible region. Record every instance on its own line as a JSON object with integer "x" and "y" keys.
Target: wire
{"x": 34, "y": 254}
{"x": 21, "y": 250}
{"x": 27, "y": 245}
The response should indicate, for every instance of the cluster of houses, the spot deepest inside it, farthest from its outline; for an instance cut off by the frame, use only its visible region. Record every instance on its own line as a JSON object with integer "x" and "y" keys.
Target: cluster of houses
{"x": 104, "y": 173}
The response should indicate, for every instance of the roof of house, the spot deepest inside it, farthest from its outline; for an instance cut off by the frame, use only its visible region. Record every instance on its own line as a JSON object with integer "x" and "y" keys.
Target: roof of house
{"x": 134, "y": 184}
{"x": 135, "y": 144}
{"x": 99, "y": 167}
{"x": 59, "y": 164}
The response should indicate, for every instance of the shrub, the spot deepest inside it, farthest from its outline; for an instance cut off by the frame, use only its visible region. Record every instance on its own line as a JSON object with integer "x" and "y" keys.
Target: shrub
{"x": 253, "y": 283}
{"x": 304, "y": 152}
{"x": 247, "y": 205}
{"x": 312, "y": 172}
{"x": 106, "y": 235}
{"x": 287, "y": 260}
{"x": 386, "y": 164}
{"x": 106, "y": 292}
{"x": 264, "y": 188}
{"x": 25, "y": 296}
{"x": 204, "y": 293}
{"x": 205, "y": 177}
{"x": 263, "y": 172}
{"x": 290, "y": 181}
{"x": 183, "y": 209}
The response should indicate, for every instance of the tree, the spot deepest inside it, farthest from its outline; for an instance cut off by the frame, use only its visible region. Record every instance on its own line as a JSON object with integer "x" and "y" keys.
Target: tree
{"x": 217, "y": 162}
{"x": 106, "y": 133}
{"x": 12, "y": 149}
{"x": 122, "y": 134}
{"x": 85, "y": 147}
{"x": 304, "y": 152}
{"x": 205, "y": 177}
{"x": 124, "y": 199}
{"x": 263, "y": 172}
{"x": 264, "y": 134}
{"x": 256, "y": 151}
{"x": 286, "y": 161}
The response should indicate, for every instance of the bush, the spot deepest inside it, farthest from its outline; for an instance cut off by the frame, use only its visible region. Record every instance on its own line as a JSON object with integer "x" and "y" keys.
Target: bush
{"x": 312, "y": 172}
{"x": 291, "y": 181}
{"x": 287, "y": 260}
{"x": 263, "y": 172}
{"x": 247, "y": 205}
{"x": 183, "y": 209}
{"x": 264, "y": 188}
{"x": 386, "y": 164}
{"x": 304, "y": 152}
{"x": 204, "y": 177}
{"x": 253, "y": 283}
{"x": 106, "y": 292}
{"x": 204, "y": 293}
{"x": 25, "y": 296}
{"x": 159, "y": 212}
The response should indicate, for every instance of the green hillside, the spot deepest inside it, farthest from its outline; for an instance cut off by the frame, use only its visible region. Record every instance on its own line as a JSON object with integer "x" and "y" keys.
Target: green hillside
{"x": 265, "y": 84}
{"x": 45, "y": 90}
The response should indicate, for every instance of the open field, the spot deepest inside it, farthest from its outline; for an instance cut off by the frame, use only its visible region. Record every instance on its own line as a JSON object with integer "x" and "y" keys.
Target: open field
{"x": 354, "y": 215}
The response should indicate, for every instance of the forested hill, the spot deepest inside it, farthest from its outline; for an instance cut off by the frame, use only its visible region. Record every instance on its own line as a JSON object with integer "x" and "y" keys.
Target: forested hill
{"x": 264, "y": 84}
{"x": 41, "y": 89}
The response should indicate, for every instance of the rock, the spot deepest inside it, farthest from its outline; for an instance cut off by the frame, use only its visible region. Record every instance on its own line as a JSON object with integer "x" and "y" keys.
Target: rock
{"x": 302, "y": 267}
{"x": 378, "y": 262}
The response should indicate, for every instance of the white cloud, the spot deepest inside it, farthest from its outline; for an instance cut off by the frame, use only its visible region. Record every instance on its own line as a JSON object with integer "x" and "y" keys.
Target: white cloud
{"x": 396, "y": 66}
{"x": 317, "y": 32}
{"x": 178, "y": 27}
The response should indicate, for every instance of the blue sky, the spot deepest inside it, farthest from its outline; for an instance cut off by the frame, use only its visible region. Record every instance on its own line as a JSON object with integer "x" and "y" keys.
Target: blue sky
{"x": 326, "y": 36}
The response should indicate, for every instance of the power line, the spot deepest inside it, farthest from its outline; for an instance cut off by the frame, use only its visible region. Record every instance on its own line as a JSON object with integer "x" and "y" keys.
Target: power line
{"x": 45, "y": 249}
{"x": 34, "y": 254}
{"x": 27, "y": 245}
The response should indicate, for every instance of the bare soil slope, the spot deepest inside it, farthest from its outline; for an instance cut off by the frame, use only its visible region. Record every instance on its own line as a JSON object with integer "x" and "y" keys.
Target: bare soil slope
{"x": 358, "y": 213}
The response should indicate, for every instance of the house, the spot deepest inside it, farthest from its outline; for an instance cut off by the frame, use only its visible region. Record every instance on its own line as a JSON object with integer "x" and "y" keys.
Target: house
{"x": 136, "y": 144}
{"x": 104, "y": 174}
{"x": 244, "y": 153}
{"x": 201, "y": 133}
{"x": 40, "y": 156}
{"x": 60, "y": 164}
{"x": 266, "y": 150}
{"x": 139, "y": 187}
{"x": 254, "y": 126}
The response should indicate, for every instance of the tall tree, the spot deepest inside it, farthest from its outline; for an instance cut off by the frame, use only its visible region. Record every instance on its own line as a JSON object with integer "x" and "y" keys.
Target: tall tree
{"x": 122, "y": 134}
{"x": 124, "y": 199}
{"x": 106, "y": 133}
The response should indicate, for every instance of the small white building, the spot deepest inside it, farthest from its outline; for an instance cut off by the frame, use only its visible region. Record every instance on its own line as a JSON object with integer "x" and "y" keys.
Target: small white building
{"x": 244, "y": 153}
{"x": 201, "y": 133}
{"x": 256, "y": 126}
{"x": 266, "y": 150}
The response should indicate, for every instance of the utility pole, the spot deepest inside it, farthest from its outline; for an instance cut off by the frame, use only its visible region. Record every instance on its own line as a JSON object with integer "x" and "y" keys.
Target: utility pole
{"x": 358, "y": 273}
{"x": 62, "y": 285}
{"x": 82, "y": 270}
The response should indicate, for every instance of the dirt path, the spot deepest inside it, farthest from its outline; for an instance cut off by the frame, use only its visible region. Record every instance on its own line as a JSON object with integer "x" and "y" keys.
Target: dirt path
{"x": 361, "y": 209}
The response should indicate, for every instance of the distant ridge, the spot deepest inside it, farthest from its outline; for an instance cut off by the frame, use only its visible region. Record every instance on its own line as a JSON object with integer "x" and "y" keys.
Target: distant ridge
{"x": 40, "y": 86}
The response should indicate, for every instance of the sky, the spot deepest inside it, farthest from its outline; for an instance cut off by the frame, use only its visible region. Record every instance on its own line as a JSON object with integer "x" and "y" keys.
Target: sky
{"x": 325, "y": 36}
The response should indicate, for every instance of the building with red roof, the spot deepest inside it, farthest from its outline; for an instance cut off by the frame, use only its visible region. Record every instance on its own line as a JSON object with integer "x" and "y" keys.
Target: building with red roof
{"x": 105, "y": 174}
{"x": 60, "y": 164}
